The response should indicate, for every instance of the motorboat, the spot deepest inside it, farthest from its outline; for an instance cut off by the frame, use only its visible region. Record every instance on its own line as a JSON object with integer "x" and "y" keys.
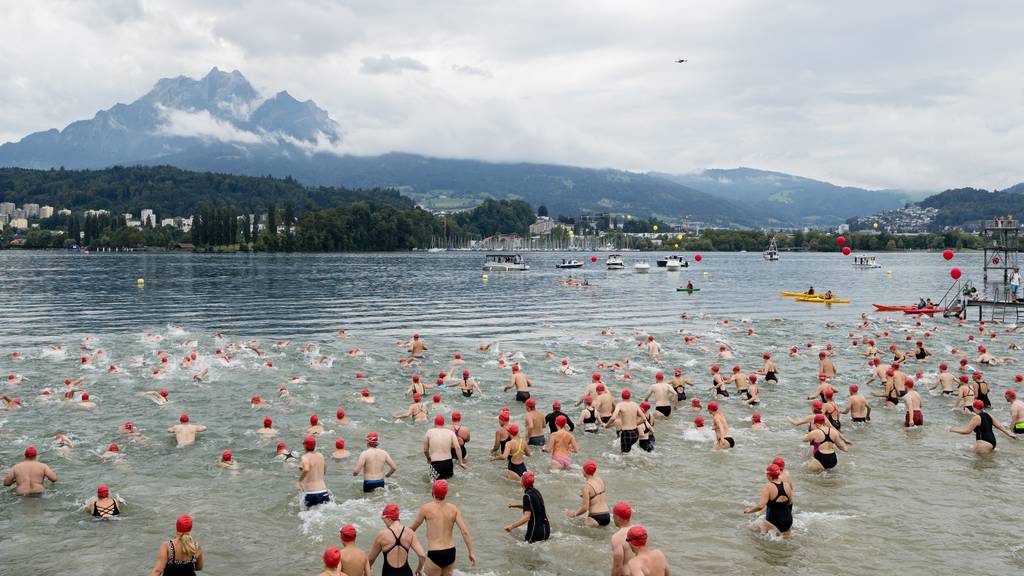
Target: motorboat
{"x": 614, "y": 262}
{"x": 865, "y": 262}
{"x": 771, "y": 254}
{"x": 571, "y": 263}
{"x": 674, "y": 265}
{"x": 505, "y": 263}
{"x": 664, "y": 262}
{"x": 642, "y": 267}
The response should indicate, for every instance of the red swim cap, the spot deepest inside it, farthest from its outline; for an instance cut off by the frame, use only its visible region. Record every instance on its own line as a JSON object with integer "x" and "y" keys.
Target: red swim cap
{"x": 415, "y": 377}
{"x": 752, "y": 378}
{"x": 650, "y": 338}
{"x": 372, "y": 438}
{"x": 964, "y": 378}
{"x": 622, "y": 510}
{"x": 515, "y": 367}
{"x": 314, "y": 419}
{"x": 339, "y": 444}
{"x": 267, "y": 422}
{"x": 963, "y": 361}
{"x": 437, "y": 398}
{"x": 1019, "y": 378}
{"x": 712, "y": 406}
{"x": 441, "y": 375}
{"x": 698, "y": 422}
{"x": 816, "y": 405}
{"x": 735, "y": 368}
{"x": 465, "y": 374}
{"x": 1011, "y": 395}
{"x": 766, "y": 356}
{"x": 332, "y": 557}
{"x": 626, "y": 394}
{"x": 819, "y": 418}
{"x": 779, "y": 462}
{"x": 163, "y": 393}
{"x": 365, "y": 392}
{"x": 589, "y": 467}
{"x": 531, "y": 403}
{"x": 977, "y": 374}
{"x": 103, "y": 491}
{"x": 113, "y": 448}
{"x": 456, "y": 416}
{"x": 889, "y": 372}
{"x": 659, "y": 376}
{"x": 255, "y": 400}
{"x": 439, "y": 420}
{"x": 695, "y": 402}
{"x": 527, "y": 479}
{"x": 556, "y": 405}
{"x": 588, "y": 399}
{"x": 822, "y": 377}
{"x": 359, "y": 375}
{"x": 184, "y": 524}
{"x": 909, "y": 383}
{"x": 513, "y": 429}
{"x": 595, "y": 377}
{"x": 281, "y": 446}
{"x": 755, "y": 417}
{"x": 829, "y": 393}
{"x": 309, "y": 443}
{"x": 943, "y": 367}
{"x": 503, "y": 417}
{"x": 417, "y": 397}
{"x": 439, "y": 489}
{"x": 30, "y": 452}
{"x": 85, "y": 396}
{"x": 773, "y": 471}
{"x": 458, "y": 356}
{"x": 679, "y": 371}
{"x": 600, "y": 388}
{"x": 348, "y": 533}
{"x": 715, "y": 369}
{"x": 339, "y": 414}
{"x": 637, "y": 536}
{"x": 391, "y": 512}
{"x": 128, "y": 425}
{"x": 560, "y": 421}
{"x": 183, "y": 418}
{"x": 979, "y": 405}
{"x": 854, "y": 388}
{"x": 822, "y": 354}
{"x": 226, "y": 456}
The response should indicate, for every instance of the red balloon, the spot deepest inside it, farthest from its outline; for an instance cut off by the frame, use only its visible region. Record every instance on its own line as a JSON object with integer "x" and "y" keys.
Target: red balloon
{"x": 948, "y": 254}
{"x": 841, "y": 240}
{"x": 698, "y": 257}
{"x": 955, "y": 273}
{"x": 593, "y": 259}
{"x": 846, "y": 250}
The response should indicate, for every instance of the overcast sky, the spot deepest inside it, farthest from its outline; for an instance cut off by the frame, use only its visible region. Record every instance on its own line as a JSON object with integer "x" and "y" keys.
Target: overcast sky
{"x": 922, "y": 95}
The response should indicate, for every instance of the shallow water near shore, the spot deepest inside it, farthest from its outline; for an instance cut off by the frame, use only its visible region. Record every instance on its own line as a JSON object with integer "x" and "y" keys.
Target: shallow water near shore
{"x": 915, "y": 501}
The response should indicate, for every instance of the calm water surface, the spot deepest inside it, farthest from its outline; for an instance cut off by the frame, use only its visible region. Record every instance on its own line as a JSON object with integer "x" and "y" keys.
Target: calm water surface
{"x": 917, "y": 502}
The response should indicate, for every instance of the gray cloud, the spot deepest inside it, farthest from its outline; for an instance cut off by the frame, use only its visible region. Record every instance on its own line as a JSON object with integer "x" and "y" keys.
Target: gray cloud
{"x": 471, "y": 71}
{"x": 387, "y": 65}
{"x": 907, "y": 94}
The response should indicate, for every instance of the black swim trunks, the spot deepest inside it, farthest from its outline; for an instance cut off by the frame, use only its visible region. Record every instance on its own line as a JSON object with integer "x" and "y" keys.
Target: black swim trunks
{"x": 536, "y": 440}
{"x": 722, "y": 392}
{"x": 443, "y": 469}
{"x": 732, "y": 443}
{"x": 442, "y": 558}
{"x": 602, "y": 518}
{"x": 522, "y": 396}
{"x": 519, "y": 469}
{"x": 665, "y": 410}
{"x": 627, "y": 438}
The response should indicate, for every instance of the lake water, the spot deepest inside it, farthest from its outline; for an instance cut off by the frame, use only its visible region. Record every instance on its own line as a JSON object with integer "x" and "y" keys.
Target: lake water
{"x": 919, "y": 502}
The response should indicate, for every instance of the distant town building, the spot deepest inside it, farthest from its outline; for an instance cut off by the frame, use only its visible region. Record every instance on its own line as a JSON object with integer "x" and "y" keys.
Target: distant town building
{"x": 19, "y": 223}
{"x": 64, "y": 212}
{"x": 31, "y": 210}
{"x": 46, "y": 212}
{"x": 147, "y": 217}
{"x": 544, "y": 226}
{"x": 7, "y": 208}
{"x": 18, "y": 213}
{"x": 95, "y": 213}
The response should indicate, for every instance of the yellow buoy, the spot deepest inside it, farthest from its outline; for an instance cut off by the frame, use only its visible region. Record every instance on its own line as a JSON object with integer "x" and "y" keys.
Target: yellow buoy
{"x": 888, "y": 272}
{"x": 140, "y": 281}
{"x": 706, "y": 274}
{"x": 484, "y": 276}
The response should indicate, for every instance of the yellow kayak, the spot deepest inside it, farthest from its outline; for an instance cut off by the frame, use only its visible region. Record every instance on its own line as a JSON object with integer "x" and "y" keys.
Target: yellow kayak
{"x": 822, "y": 300}
{"x": 804, "y": 294}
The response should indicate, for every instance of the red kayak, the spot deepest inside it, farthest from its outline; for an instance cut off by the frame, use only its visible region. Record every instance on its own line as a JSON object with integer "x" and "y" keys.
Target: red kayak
{"x": 882, "y": 308}
{"x": 925, "y": 311}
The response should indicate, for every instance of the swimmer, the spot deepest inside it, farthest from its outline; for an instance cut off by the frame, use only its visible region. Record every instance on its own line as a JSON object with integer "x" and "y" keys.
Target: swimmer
{"x": 9, "y": 403}
{"x": 721, "y": 426}
{"x": 626, "y": 416}
{"x": 823, "y": 439}
{"x": 646, "y": 428}
{"x": 695, "y": 405}
{"x": 534, "y": 424}
{"x": 679, "y": 384}
{"x": 945, "y": 380}
{"x": 200, "y": 376}
{"x": 395, "y": 542}
{"x": 981, "y": 388}
{"x": 352, "y": 561}
{"x": 371, "y": 464}
{"x": 718, "y": 382}
{"x": 267, "y": 431}
{"x": 769, "y": 370}
{"x": 724, "y": 353}
{"x": 534, "y": 512}
{"x": 564, "y": 368}
{"x": 857, "y": 406}
{"x": 826, "y": 366}
{"x": 29, "y": 475}
{"x": 645, "y": 562}
{"x": 160, "y": 397}
{"x": 592, "y": 499}
{"x": 257, "y": 402}
{"x": 417, "y": 410}
{"x": 468, "y": 385}
{"x": 314, "y": 427}
{"x": 415, "y": 386}
{"x": 184, "y": 432}
{"x": 113, "y": 452}
{"x": 739, "y": 379}
{"x": 228, "y": 461}
{"x": 311, "y": 475}
{"x": 560, "y": 444}
{"x": 461, "y": 434}
{"x": 102, "y": 505}
{"x": 340, "y": 453}
{"x": 753, "y": 392}
{"x": 756, "y": 423}
{"x": 964, "y": 395}
{"x": 416, "y": 347}
{"x": 1016, "y": 412}
{"x": 556, "y": 411}
{"x": 591, "y": 389}
{"x": 912, "y": 401}
{"x": 514, "y": 451}
{"x": 589, "y": 415}
{"x": 777, "y": 497}
{"x": 981, "y": 425}
{"x": 366, "y": 397}
{"x": 663, "y": 394}
{"x": 441, "y": 517}
{"x": 920, "y": 352}
{"x": 501, "y": 435}
{"x": 521, "y": 384}
{"x": 340, "y": 417}
{"x": 438, "y": 445}
{"x": 622, "y": 513}
{"x": 653, "y": 349}
{"x": 62, "y": 444}
{"x": 85, "y": 402}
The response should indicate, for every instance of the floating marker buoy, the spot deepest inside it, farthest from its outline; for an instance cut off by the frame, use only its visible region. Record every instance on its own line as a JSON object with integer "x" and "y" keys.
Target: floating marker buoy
{"x": 888, "y": 272}
{"x": 705, "y": 273}
{"x": 140, "y": 282}
{"x": 484, "y": 277}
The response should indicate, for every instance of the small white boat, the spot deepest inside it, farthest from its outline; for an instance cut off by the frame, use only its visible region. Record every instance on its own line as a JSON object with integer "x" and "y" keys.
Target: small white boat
{"x": 673, "y": 265}
{"x": 642, "y": 267}
{"x": 663, "y": 262}
{"x": 772, "y": 253}
{"x": 614, "y": 262}
{"x": 865, "y": 262}
{"x": 505, "y": 263}
{"x": 572, "y": 263}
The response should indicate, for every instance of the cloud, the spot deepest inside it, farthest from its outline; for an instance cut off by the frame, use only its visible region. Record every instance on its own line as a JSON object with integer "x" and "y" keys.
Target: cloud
{"x": 471, "y": 71}
{"x": 201, "y": 124}
{"x": 387, "y": 65}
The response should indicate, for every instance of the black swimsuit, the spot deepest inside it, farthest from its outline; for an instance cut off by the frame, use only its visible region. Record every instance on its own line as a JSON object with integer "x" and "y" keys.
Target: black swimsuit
{"x": 780, "y": 514}
{"x": 387, "y": 569}
{"x": 827, "y": 461}
{"x": 105, "y": 511}
{"x": 602, "y": 518}
{"x": 984, "y": 430}
{"x": 175, "y": 567}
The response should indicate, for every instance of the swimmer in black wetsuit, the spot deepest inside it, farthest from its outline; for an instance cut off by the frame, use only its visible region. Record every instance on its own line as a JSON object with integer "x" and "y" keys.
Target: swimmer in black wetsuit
{"x": 777, "y": 497}
{"x": 981, "y": 424}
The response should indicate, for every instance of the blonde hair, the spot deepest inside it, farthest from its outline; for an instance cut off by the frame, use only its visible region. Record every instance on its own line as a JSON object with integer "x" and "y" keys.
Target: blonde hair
{"x": 189, "y": 547}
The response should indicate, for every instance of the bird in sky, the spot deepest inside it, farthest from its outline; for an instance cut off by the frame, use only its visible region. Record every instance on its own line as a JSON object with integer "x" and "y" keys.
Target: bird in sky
{"x": 680, "y": 61}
